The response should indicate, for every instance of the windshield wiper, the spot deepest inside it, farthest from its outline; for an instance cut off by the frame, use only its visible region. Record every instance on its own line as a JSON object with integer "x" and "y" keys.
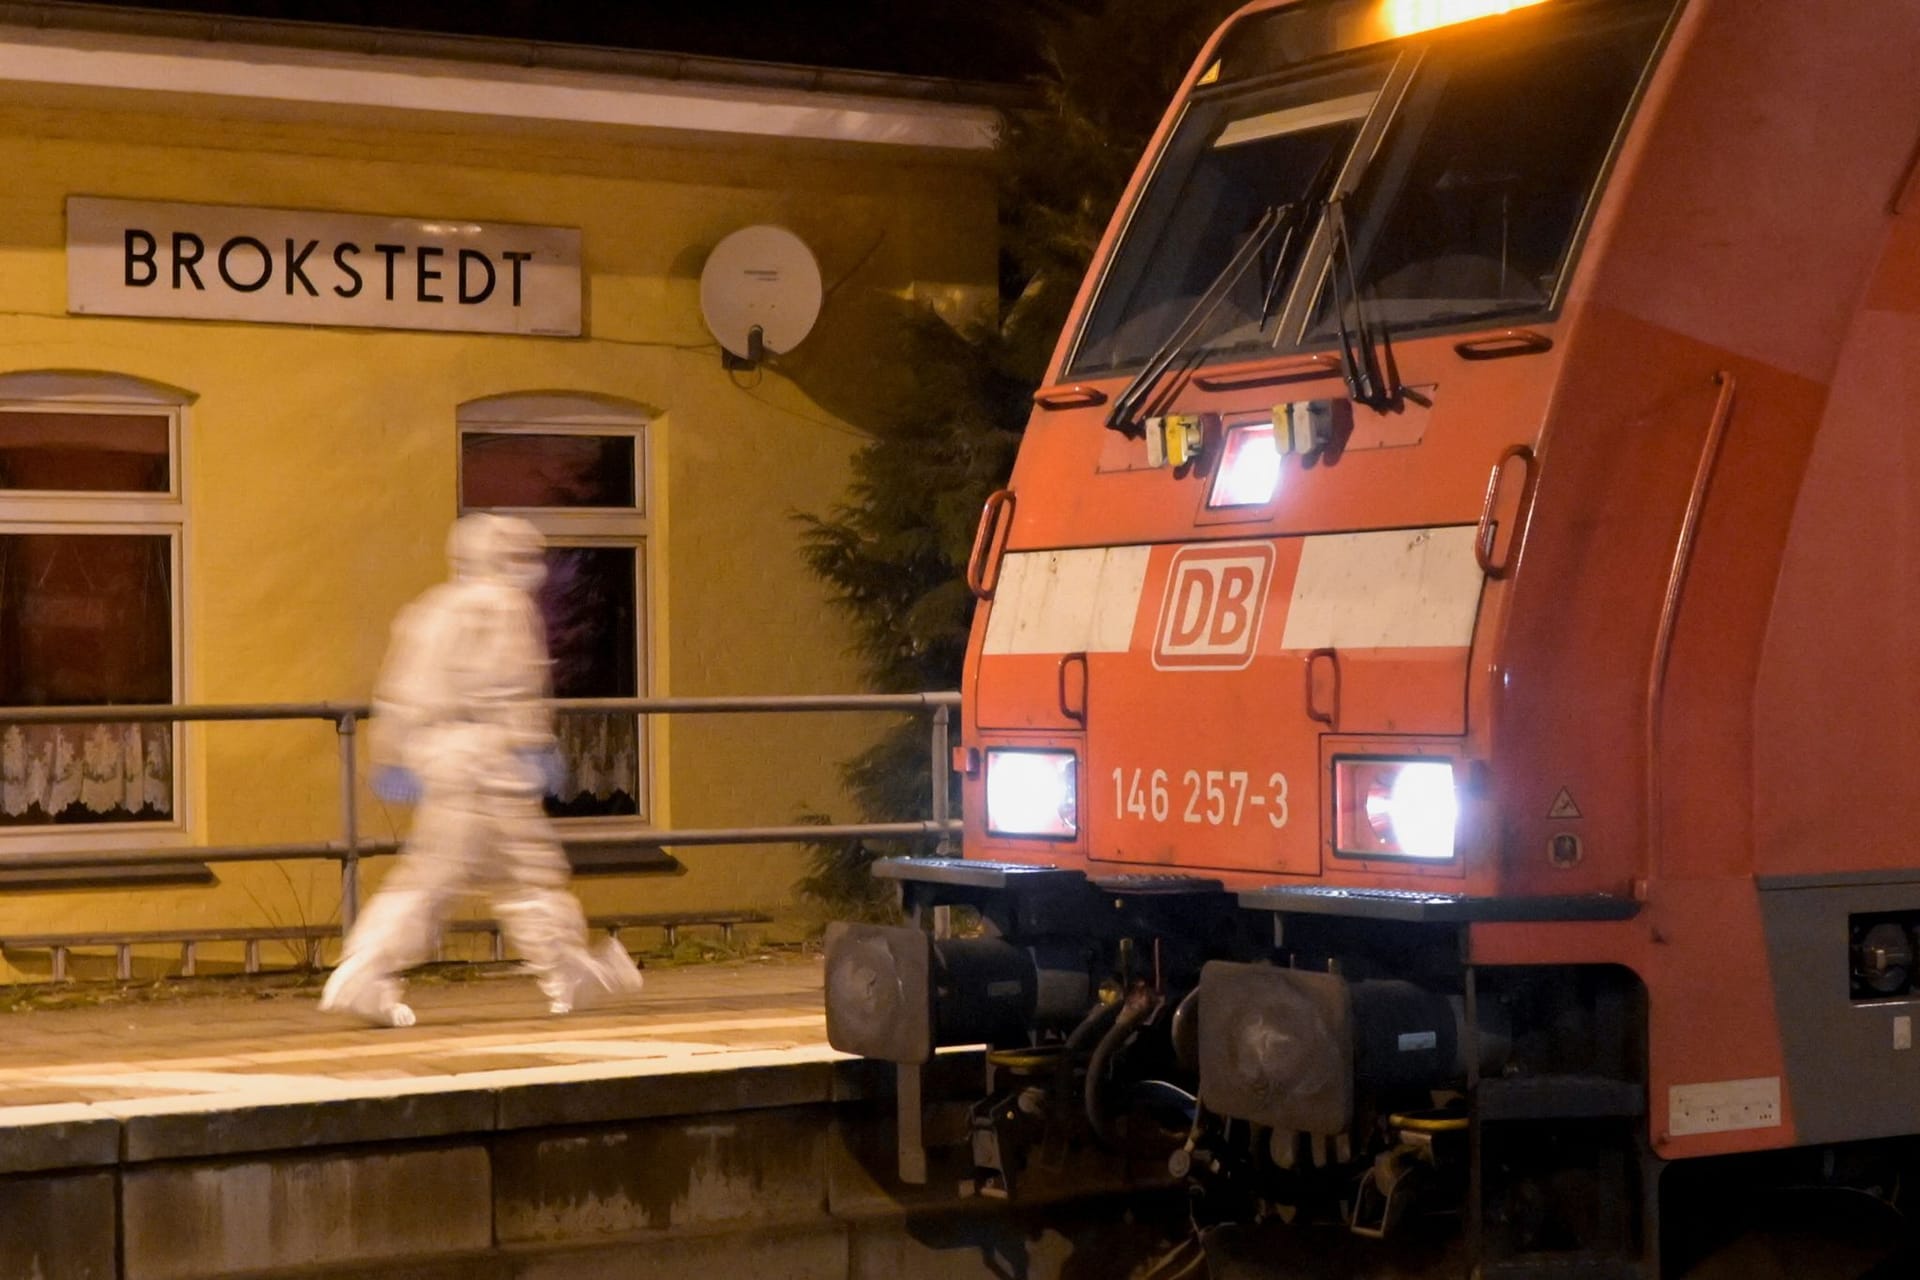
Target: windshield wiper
{"x": 1275, "y": 220}
{"x": 1362, "y": 365}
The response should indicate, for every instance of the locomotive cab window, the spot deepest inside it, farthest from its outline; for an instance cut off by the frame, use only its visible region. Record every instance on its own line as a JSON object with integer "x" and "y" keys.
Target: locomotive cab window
{"x": 1244, "y": 164}
{"x": 1472, "y": 206}
{"x": 1436, "y": 179}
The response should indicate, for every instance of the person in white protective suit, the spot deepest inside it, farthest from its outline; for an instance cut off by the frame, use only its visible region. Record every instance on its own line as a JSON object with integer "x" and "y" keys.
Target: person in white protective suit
{"x": 460, "y": 723}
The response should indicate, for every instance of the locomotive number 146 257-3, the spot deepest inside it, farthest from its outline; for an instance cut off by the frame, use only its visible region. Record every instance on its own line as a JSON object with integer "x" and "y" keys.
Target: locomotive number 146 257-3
{"x": 1209, "y": 797}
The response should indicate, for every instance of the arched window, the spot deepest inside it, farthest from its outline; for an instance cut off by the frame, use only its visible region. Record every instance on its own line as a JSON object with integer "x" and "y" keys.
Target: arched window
{"x": 576, "y": 466}
{"x": 91, "y": 522}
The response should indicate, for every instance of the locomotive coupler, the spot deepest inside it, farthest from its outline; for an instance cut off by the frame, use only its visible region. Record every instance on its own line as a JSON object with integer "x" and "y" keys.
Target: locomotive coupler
{"x": 1390, "y": 1182}
{"x": 1429, "y": 1147}
{"x": 1005, "y": 1126}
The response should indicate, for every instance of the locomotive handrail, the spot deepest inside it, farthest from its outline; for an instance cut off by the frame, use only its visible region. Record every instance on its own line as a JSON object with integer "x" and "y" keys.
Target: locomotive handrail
{"x": 1086, "y": 674}
{"x": 1508, "y": 342}
{"x": 981, "y": 557}
{"x": 1670, "y": 605}
{"x": 1484, "y": 535}
{"x": 1330, "y": 717}
{"x": 1071, "y": 396}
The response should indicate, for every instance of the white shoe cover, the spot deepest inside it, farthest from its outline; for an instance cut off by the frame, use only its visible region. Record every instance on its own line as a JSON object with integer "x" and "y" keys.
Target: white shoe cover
{"x": 609, "y": 974}
{"x": 376, "y": 1002}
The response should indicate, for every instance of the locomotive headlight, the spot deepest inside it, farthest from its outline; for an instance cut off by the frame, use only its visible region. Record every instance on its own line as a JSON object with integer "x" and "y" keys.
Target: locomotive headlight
{"x": 1033, "y": 793}
{"x": 1395, "y": 808}
{"x": 1410, "y": 17}
{"x": 1249, "y": 472}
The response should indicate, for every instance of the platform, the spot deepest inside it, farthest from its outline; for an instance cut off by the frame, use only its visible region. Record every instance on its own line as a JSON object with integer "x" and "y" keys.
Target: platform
{"x": 209, "y": 1052}
{"x": 703, "y": 1128}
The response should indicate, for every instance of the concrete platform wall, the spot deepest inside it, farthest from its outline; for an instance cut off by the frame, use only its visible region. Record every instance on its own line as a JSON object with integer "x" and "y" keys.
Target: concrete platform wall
{"x": 794, "y": 1188}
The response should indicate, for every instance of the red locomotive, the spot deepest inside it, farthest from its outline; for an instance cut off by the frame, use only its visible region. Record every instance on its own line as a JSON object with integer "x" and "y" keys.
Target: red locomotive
{"x": 1439, "y": 714}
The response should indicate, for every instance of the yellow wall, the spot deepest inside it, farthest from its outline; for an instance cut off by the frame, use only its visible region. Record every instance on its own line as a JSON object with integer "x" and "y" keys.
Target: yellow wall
{"x": 319, "y": 464}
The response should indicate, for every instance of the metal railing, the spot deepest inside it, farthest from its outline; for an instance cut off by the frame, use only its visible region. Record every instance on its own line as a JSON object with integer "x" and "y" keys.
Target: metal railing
{"x": 350, "y": 849}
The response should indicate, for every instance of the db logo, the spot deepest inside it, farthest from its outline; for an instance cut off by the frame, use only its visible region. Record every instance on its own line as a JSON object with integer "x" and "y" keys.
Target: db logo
{"x": 1210, "y": 616}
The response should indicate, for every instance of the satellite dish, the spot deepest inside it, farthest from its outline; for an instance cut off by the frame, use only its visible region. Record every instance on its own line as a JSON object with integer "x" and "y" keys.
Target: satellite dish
{"x": 760, "y": 292}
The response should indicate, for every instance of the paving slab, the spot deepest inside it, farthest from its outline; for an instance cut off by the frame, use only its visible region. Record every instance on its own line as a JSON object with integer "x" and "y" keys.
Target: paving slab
{"x": 224, "y": 1073}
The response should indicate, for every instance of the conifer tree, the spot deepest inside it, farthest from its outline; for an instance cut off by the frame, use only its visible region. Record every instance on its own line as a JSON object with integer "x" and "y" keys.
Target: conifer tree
{"x": 893, "y": 552}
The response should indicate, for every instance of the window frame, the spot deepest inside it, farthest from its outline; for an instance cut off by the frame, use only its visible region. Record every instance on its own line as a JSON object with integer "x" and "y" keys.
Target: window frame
{"x": 93, "y": 512}
{"x": 578, "y": 414}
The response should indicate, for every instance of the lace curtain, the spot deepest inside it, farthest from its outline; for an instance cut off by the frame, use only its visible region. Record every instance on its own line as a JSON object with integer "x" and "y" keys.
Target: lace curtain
{"x": 603, "y": 761}
{"x": 124, "y": 772}
{"x": 86, "y": 773}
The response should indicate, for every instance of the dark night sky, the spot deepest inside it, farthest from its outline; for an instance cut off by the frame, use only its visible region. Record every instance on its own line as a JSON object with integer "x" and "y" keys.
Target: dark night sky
{"x": 968, "y": 39}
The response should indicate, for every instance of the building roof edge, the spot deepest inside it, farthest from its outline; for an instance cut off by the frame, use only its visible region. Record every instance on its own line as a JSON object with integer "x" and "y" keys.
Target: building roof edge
{"x": 97, "y": 46}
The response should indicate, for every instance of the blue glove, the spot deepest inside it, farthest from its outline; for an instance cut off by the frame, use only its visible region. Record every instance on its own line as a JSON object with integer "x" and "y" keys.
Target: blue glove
{"x": 552, "y": 766}
{"x": 392, "y": 782}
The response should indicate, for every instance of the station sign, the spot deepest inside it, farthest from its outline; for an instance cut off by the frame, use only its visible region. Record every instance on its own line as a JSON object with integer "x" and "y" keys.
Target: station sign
{"x": 290, "y": 266}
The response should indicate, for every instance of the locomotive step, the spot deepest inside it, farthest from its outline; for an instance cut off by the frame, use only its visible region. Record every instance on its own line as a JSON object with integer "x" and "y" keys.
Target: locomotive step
{"x": 1420, "y": 906}
{"x": 973, "y": 873}
{"x": 981, "y": 873}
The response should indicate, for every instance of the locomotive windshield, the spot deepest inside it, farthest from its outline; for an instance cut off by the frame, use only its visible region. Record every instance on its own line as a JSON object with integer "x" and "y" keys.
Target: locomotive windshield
{"x": 1235, "y": 157}
{"x": 1463, "y": 160}
{"x": 1471, "y": 207}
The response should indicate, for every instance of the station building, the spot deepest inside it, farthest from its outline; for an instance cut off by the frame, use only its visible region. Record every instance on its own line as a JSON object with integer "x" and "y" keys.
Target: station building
{"x": 277, "y": 303}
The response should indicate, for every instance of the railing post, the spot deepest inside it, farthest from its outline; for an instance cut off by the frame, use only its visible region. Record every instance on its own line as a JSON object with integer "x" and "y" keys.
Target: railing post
{"x": 345, "y": 726}
{"x": 942, "y": 916}
{"x": 941, "y": 762}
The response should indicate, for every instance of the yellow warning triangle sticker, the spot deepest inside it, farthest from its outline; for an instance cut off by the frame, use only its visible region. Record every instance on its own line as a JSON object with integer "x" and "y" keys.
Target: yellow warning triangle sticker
{"x": 1563, "y": 806}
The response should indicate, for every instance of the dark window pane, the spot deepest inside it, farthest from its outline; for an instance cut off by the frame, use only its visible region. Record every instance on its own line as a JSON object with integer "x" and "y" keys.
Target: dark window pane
{"x": 85, "y": 618}
{"x": 84, "y": 452}
{"x": 1234, "y": 159}
{"x": 524, "y": 470}
{"x": 1472, "y": 208}
{"x": 590, "y": 603}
